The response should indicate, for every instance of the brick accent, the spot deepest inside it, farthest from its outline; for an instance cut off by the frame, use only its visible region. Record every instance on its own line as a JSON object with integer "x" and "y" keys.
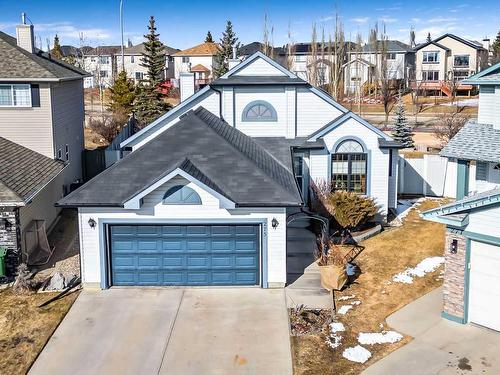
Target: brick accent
{"x": 9, "y": 239}
{"x": 454, "y": 276}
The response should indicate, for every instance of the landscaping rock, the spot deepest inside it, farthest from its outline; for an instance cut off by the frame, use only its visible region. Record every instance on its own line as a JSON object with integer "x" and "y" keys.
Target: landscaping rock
{"x": 56, "y": 282}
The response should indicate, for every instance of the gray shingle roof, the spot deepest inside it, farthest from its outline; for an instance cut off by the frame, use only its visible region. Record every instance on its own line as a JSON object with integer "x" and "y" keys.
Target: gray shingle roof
{"x": 206, "y": 147}
{"x": 488, "y": 76}
{"x": 391, "y": 46}
{"x": 17, "y": 63}
{"x": 139, "y": 49}
{"x": 475, "y": 141}
{"x": 24, "y": 172}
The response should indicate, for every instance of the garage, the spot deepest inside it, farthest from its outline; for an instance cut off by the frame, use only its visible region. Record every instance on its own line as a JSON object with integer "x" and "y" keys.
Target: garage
{"x": 484, "y": 287}
{"x": 157, "y": 255}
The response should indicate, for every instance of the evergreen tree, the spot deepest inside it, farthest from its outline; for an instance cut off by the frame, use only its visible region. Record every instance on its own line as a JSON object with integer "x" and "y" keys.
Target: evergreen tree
{"x": 429, "y": 37}
{"x": 402, "y": 132}
{"x": 57, "y": 50}
{"x": 121, "y": 95}
{"x": 496, "y": 49}
{"x": 149, "y": 101}
{"x": 227, "y": 42}
{"x": 208, "y": 38}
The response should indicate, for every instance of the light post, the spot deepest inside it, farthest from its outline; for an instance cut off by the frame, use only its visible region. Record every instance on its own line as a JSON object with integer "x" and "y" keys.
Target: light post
{"x": 121, "y": 30}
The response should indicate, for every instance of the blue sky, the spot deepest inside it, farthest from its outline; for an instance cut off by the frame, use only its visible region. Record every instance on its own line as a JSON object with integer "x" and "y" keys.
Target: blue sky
{"x": 185, "y": 23}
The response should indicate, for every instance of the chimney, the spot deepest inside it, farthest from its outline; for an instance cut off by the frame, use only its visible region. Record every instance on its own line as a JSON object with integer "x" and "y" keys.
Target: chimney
{"x": 486, "y": 44}
{"x": 233, "y": 61}
{"x": 25, "y": 35}
{"x": 186, "y": 85}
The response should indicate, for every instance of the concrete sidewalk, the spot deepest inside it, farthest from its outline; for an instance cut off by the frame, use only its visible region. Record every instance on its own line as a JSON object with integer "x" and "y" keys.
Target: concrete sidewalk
{"x": 171, "y": 331}
{"x": 439, "y": 346}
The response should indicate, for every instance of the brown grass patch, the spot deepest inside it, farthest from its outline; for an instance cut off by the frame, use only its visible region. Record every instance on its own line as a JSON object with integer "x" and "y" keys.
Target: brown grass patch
{"x": 25, "y": 328}
{"x": 384, "y": 256}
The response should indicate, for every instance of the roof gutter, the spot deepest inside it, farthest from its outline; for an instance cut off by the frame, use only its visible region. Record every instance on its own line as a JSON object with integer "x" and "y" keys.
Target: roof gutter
{"x": 3, "y": 79}
{"x": 220, "y": 100}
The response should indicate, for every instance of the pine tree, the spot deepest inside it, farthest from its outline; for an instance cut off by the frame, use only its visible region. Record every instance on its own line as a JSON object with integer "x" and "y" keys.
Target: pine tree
{"x": 429, "y": 37}
{"x": 402, "y": 132}
{"x": 496, "y": 49}
{"x": 121, "y": 95}
{"x": 57, "y": 50}
{"x": 149, "y": 101}
{"x": 227, "y": 42}
{"x": 208, "y": 38}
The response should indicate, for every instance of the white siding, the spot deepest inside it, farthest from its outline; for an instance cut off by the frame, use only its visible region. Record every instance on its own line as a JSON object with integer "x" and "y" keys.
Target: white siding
{"x": 68, "y": 117}
{"x": 450, "y": 183}
{"x": 30, "y": 127}
{"x": 318, "y": 165}
{"x": 259, "y": 67}
{"x": 489, "y": 105}
{"x": 180, "y": 67}
{"x": 485, "y": 221}
{"x": 393, "y": 181}
{"x": 313, "y": 112}
{"x": 153, "y": 209}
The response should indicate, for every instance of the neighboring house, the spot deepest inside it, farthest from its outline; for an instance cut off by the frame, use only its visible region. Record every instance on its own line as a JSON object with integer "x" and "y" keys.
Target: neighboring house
{"x": 42, "y": 110}
{"x": 472, "y": 248}
{"x": 247, "y": 50}
{"x": 364, "y": 66}
{"x": 203, "y": 196}
{"x": 442, "y": 64}
{"x": 199, "y": 60}
{"x": 133, "y": 62}
{"x": 102, "y": 63}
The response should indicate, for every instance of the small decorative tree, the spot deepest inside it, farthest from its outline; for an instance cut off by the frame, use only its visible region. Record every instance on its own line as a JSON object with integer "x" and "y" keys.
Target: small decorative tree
{"x": 121, "y": 96}
{"x": 57, "y": 50}
{"x": 402, "y": 132}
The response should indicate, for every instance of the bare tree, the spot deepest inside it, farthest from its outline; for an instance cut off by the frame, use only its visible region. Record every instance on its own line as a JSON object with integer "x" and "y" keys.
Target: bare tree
{"x": 290, "y": 49}
{"x": 266, "y": 43}
{"x": 312, "y": 63}
{"x": 359, "y": 83}
{"x": 338, "y": 52}
{"x": 448, "y": 126}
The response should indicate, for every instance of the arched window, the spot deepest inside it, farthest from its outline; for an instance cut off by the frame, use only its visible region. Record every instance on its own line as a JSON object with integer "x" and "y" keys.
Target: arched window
{"x": 349, "y": 167}
{"x": 259, "y": 110}
{"x": 181, "y": 194}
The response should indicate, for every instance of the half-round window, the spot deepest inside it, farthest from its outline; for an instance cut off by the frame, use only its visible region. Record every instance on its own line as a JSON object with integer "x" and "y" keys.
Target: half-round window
{"x": 259, "y": 110}
{"x": 349, "y": 146}
{"x": 181, "y": 194}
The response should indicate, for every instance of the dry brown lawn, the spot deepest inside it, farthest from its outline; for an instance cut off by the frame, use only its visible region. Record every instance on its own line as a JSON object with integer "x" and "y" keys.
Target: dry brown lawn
{"x": 384, "y": 256}
{"x": 25, "y": 328}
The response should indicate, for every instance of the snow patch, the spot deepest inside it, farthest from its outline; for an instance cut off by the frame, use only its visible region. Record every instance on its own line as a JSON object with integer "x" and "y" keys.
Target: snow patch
{"x": 420, "y": 270}
{"x": 388, "y": 337}
{"x": 356, "y": 303}
{"x": 357, "y": 354}
{"x": 345, "y": 298}
{"x": 334, "y": 341}
{"x": 344, "y": 309}
{"x": 337, "y": 327}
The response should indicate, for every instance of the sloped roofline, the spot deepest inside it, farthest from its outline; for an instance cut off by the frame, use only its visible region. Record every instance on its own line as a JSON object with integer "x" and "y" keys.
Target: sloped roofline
{"x": 474, "y": 79}
{"x": 254, "y": 57}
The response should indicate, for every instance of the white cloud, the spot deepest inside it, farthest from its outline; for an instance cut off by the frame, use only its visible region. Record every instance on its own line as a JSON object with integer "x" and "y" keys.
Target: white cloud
{"x": 360, "y": 20}
{"x": 388, "y": 19}
{"x": 415, "y": 20}
{"x": 442, "y": 19}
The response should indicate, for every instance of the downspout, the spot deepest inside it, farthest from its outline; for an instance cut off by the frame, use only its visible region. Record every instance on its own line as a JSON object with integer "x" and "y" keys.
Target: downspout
{"x": 220, "y": 100}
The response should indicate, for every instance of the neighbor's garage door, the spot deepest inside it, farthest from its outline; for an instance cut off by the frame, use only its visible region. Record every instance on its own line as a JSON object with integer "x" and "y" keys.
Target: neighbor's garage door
{"x": 184, "y": 254}
{"x": 484, "y": 292}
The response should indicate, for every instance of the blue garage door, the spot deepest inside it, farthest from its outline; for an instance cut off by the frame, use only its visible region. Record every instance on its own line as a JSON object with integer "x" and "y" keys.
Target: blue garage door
{"x": 184, "y": 254}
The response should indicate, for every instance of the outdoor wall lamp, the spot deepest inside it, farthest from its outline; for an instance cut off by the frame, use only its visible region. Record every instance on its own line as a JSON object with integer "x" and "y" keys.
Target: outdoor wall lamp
{"x": 92, "y": 223}
{"x": 274, "y": 223}
{"x": 454, "y": 246}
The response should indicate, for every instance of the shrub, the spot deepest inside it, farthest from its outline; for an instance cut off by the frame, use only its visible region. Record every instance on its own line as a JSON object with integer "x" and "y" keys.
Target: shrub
{"x": 108, "y": 126}
{"x": 23, "y": 283}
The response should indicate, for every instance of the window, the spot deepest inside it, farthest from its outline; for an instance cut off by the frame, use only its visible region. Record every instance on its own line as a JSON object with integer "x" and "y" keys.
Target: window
{"x": 104, "y": 60}
{"x": 392, "y": 74}
{"x": 461, "y": 61}
{"x": 15, "y": 95}
{"x": 259, "y": 110}
{"x": 59, "y": 154}
{"x": 355, "y": 79}
{"x": 391, "y": 56}
{"x": 66, "y": 152}
{"x": 92, "y": 59}
{"x": 132, "y": 59}
{"x": 349, "y": 167}
{"x": 460, "y": 74}
{"x": 185, "y": 59}
{"x": 139, "y": 75}
{"x": 481, "y": 171}
{"x": 431, "y": 57}
{"x": 300, "y": 58}
{"x": 430, "y": 75}
{"x": 181, "y": 194}
{"x": 103, "y": 74}
{"x": 486, "y": 89}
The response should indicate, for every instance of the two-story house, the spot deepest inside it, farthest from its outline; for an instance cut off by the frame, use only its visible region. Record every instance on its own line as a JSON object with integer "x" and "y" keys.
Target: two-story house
{"x": 472, "y": 247}
{"x": 199, "y": 60}
{"x": 102, "y": 63}
{"x": 41, "y": 139}
{"x": 443, "y": 63}
{"x": 204, "y": 193}
{"x": 364, "y": 67}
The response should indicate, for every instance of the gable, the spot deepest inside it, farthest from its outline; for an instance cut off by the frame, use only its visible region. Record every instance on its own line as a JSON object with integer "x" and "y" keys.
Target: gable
{"x": 259, "y": 67}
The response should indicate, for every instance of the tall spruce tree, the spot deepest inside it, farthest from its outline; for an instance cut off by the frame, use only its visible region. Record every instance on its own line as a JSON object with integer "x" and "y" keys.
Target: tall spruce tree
{"x": 227, "y": 42}
{"x": 149, "y": 102}
{"x": 495, "y": 47}
{"x": 402, "y": 132}
{"x": 57, "y": 50}
{"x": 209, "y": 38}
{"x": 121, "y": 95}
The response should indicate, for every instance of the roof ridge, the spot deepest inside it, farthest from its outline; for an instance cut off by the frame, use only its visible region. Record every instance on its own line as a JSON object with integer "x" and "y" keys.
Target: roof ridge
{"x": 240, "y": 147}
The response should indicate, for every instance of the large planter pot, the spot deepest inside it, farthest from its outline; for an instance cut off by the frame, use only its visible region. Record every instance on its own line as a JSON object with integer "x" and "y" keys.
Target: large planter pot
{"x": 333, "y": 277}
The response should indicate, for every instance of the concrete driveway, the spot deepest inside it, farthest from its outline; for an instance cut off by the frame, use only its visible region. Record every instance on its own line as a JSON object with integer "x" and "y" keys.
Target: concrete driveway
{"x": 171, "y": 331}
{"x": 439, "y": 346}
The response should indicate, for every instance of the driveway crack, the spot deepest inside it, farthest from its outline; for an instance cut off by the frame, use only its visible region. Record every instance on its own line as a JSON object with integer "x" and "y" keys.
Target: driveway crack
{"x": 170, "y": 333}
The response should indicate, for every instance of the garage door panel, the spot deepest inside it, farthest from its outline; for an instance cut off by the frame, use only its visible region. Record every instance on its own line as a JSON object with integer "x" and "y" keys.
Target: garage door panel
{"x": 185, "y": 255}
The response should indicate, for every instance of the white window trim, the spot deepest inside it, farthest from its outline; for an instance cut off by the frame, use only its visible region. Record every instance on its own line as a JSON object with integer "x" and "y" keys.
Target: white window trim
{"x": 12, "y": 95}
